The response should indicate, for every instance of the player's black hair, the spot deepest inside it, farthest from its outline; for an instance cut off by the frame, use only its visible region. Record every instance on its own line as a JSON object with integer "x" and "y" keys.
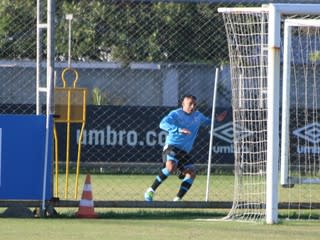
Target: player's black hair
{"x": 186, "y": 96}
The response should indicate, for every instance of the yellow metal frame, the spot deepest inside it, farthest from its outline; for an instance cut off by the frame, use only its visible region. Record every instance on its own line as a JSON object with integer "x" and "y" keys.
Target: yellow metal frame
{"x": 68, "y": 120}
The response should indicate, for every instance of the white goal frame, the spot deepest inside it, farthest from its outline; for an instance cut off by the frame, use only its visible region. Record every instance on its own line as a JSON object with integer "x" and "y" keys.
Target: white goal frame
{"x": 285, "y": 179}
{"x": 275, "y": 12}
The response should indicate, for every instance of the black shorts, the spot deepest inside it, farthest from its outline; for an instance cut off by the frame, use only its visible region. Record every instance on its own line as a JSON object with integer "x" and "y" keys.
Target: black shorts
{"x": 180, "y": 157}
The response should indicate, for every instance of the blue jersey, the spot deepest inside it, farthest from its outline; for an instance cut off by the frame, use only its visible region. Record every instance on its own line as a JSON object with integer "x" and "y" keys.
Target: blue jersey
{"x": 178, "y": 119}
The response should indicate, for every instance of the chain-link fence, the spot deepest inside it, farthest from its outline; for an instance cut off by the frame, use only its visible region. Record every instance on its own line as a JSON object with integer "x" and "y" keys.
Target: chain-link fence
{"x": 139, "y": 59}
{"x": 136, "y": 58}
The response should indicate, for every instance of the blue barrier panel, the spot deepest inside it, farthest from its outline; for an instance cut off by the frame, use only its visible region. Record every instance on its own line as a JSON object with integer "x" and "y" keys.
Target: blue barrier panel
{"x": 22, "y": 157}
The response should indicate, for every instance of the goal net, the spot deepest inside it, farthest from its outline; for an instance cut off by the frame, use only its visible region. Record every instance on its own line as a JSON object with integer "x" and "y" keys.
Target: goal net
{"x": 255, "y": 38}
{"x": 247, "y": 34}
{"x": 300, "y": 142}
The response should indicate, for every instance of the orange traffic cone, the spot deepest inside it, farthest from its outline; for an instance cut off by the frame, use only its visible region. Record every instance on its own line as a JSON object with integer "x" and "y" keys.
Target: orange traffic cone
{"x": 86, "y": 207}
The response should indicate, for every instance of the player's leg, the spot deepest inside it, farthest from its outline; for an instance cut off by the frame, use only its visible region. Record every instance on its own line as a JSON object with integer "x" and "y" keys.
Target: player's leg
{"x": 189, "y": 176}
{"x": 170, "y": 166}
{"x": 164, "y": 173}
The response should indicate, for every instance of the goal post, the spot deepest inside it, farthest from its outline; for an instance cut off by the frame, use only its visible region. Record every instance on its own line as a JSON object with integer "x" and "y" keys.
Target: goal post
{"x": 254, "y": 40}
{"x": 300, "y": 63}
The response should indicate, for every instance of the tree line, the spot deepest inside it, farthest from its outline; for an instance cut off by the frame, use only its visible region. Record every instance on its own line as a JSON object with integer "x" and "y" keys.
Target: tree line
{"x": 122, "y": 31}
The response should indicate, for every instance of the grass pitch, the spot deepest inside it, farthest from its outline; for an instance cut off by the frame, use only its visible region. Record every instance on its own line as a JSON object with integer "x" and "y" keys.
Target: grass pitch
{"x": 173, "y": 228}
{"x": 156, "y": 224}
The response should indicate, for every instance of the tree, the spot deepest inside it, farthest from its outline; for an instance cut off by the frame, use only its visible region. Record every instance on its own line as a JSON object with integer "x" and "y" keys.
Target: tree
{"x": 17, "y": 29}
{"x": 122, "y": 31}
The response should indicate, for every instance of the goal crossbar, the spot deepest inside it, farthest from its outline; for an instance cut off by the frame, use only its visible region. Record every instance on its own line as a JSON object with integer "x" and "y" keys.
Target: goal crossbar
{"x": 282, "y": 8}
{"x": 302, "y": 22}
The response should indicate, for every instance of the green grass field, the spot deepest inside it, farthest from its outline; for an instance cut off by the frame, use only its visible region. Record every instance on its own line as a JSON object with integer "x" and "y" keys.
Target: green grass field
{"x": 154, "y": 224}
{"x": 124, "y": 227}
{"x": 131, "y": 187}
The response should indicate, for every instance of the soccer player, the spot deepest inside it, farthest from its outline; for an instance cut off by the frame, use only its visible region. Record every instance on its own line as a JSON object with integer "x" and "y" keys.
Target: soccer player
{"x": 182, "y": 125}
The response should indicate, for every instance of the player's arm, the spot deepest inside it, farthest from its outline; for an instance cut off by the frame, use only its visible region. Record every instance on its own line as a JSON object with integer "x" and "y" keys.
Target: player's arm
{"x": 206, "y": 121}
{"x": 168, "y": 123}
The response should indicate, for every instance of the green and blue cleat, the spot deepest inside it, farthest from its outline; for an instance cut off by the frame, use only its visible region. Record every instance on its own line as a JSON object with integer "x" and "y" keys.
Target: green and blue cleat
{"x": 148, "y": 195}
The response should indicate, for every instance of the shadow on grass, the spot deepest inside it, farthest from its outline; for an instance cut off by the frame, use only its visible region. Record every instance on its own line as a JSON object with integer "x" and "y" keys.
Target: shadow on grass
{"x": 150, "y": 214}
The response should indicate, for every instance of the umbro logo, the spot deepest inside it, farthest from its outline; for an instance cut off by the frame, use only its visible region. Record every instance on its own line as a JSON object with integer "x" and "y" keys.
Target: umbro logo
{"x": 226, "y": 132}
{"x": 310, "y": 132}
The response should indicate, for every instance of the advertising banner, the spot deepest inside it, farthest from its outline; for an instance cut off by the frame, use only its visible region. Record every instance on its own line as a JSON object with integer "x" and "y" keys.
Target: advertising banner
{"x": 132, "y": 134}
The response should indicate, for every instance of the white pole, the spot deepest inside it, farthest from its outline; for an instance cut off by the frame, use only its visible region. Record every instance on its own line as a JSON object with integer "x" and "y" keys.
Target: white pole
{"x": 211, "y": 132}
{"x": 50, "y": 77}
{"x": 69, "y": 18}
{"x": 273, "y": 114}
{"x": 285, "y": 105}
{"x": 38, "y": 58}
